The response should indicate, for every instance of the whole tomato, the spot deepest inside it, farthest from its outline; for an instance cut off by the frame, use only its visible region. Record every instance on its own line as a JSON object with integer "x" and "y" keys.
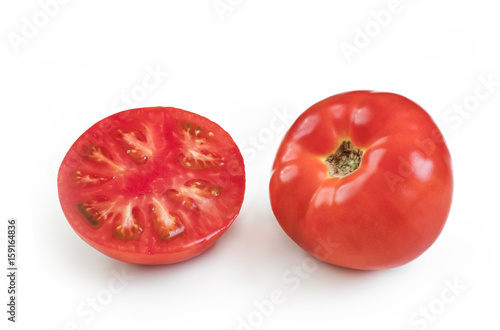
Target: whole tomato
{"x": 363, "y": 180}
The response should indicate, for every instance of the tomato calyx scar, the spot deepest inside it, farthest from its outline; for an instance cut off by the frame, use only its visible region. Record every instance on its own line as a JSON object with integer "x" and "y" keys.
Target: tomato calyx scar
{"x": 345, "y": 160}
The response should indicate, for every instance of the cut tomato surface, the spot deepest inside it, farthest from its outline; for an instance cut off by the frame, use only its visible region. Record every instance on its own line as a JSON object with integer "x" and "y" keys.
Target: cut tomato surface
{"x": 152, "y": 185}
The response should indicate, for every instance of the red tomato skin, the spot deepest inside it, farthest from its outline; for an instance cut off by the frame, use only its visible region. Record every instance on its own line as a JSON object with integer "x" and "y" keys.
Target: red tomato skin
{"x": 155, "y": 258}
{"x": 386, "y": 213}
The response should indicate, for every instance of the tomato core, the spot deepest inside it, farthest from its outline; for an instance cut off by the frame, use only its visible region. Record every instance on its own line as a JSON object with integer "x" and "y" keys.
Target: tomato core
{"x": 345, "y": 160}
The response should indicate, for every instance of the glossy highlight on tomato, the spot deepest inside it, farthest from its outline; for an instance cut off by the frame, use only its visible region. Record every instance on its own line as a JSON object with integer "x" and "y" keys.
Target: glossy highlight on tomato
{"x": 152, "y": 185}
{"x": 363, "y": 180}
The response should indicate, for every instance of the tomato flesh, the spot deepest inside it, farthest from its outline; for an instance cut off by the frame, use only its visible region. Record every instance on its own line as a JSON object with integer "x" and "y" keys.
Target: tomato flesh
{"x": 152, "y": 185}
{"x": 385, "y": 213}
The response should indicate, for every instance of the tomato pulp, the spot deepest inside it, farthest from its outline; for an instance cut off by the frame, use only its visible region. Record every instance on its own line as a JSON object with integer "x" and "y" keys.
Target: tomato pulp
{"x": 363, "y": 180}
{"x": 152, "y": 185}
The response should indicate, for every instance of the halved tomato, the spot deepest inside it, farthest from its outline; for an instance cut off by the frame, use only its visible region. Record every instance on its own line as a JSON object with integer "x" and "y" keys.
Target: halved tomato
{"x": 152, "y": 185}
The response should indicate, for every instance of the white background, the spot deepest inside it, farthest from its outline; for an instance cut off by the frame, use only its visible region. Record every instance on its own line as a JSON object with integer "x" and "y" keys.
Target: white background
{"x": 246, "y": 66}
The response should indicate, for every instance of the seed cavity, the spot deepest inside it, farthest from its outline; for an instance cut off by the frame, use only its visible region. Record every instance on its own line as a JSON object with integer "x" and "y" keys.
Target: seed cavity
{"x": 128, "y": 224}
{"x": 89, "y": 179}
{"x": 101, "y": 155}
{"x": 200, "y": 159}
{"x": 203, "y": 188}
{"x": 166, "y": 224}
{"x": 195, "y": 154}
{"x": 96, "y": 211}
{"x": 135, "y": 144}
{"x": 182, "y": 200}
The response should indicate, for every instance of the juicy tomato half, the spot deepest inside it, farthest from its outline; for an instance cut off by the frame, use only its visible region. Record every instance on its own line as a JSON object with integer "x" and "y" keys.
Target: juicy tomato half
{"x": 152, "y": 185}
{"x": 363, "y": 180}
